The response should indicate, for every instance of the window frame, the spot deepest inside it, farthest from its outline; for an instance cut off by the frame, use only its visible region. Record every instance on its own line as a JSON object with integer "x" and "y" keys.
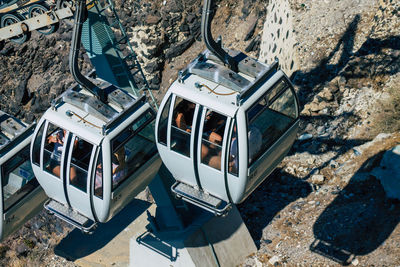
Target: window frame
{"x": 269, "y": 102}
{"x": 132, "y": 135}
{"x": 171, "y": 99}
{"x": 32, "y": 182}
{"x": 204, "y": 112}
{"x": 171, "y": 124}
{"x": 92, "y": 157}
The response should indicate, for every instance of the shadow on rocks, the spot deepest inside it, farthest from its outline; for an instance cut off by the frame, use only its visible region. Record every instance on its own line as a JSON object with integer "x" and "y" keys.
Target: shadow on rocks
{"x": 358, "y": 220}
{"x": 374, "y": 59}
{"x": 274, "y": 194}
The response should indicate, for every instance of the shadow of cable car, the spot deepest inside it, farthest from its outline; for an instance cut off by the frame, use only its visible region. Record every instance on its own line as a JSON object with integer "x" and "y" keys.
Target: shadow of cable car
{"x": 280, "y": 190}
{"x": 359, "y": 220}
{"x": 78, "y": 244}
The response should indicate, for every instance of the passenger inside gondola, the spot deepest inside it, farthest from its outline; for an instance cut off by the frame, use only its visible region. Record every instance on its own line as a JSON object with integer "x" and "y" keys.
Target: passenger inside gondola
{"x": 130, "y": 150}
{"x": 56, "y": 139}
{"x": 184, "y": 112}
{"x": 118, "y": 171}
{"x": 182, "y": 126}
{"x": 213, "y": 133}
{"x": 118, "y": 165}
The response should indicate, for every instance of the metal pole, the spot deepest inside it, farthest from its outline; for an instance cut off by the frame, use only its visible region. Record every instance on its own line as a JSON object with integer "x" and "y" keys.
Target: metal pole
{"x": 214, "y": 47}
{"x": 80, "y": 17}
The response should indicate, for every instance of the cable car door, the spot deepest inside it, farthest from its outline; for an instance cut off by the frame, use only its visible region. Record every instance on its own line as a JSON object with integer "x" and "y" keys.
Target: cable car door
{"x": 182, "y": 132}
{"x": 79, "y": 161}
{"x": 47, "y": 155}
{"x": 211, "y": 152}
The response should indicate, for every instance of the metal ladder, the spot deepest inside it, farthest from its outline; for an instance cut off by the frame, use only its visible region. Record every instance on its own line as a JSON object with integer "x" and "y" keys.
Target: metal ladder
{"x": 126, "y": 68}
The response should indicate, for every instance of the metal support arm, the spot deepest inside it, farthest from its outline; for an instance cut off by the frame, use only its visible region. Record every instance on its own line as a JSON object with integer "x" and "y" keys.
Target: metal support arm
{"x": 79, "y": 19}
{"x": 214, "y": 47}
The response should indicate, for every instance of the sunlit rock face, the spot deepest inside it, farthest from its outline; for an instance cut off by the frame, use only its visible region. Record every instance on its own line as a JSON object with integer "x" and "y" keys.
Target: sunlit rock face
{"x": 278, "y": 38}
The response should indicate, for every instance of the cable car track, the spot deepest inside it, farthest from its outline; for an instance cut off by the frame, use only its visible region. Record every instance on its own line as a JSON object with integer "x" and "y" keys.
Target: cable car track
{"x": 18, "y": 19}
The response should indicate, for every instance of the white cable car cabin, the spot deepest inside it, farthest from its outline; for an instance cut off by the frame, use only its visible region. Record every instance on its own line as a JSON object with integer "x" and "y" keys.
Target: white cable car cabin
{"x": 21, "y": 196}
{"x": 93, "y": 158}
{"x": 221, "y": 133}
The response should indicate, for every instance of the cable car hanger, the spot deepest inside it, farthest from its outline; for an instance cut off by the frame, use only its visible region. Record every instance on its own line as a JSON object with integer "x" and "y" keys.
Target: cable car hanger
{"x": 235, "y": 61}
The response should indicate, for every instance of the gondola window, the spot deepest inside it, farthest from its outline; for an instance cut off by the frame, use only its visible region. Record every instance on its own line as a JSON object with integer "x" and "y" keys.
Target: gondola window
{"x": 181, "y": 128}
{"x": 133, "y": 148}
{"x": 78, "y": 172}
{"x": 163, "y": 124}
{"x": 212, "y": 139}
{"x": 233, "y": 163}
{"x": 267, "y": 121}
{"x": 98, "y": 185}
{"x": 53, "y": 148}
{"x": 36, "y": 146}
{"x": 18, "y": 178}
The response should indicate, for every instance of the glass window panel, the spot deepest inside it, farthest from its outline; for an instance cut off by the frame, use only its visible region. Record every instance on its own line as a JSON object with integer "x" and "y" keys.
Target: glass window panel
{"x": 183, "y": 114}
{"x": 182, "y": 126}
{"x": 98, "y": 185}
{"x": 133, "y": 150}
{"x": 53, "y": 149}
{"x": 272, "y": 93}
{"x": 285, "y": 104}
{"x": 233, "y": 166}
{"x": 212, "y": 139}
{"x": 18, "y": 178}
{"x": 163, "y": 124}
{"x": 37, "y": 144}
{"x": 80, "y": 160}
{"x": 267, "y": 124}
{"x": 256, "y": 109}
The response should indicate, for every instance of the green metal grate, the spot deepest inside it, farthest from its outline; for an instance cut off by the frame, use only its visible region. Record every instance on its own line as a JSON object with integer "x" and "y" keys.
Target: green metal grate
{"x": 105, "y": 52}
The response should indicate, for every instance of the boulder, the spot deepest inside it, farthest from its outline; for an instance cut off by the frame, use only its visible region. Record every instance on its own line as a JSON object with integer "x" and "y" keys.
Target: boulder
{"x": 179, "y": 48}
{"x": 318, "y": 179}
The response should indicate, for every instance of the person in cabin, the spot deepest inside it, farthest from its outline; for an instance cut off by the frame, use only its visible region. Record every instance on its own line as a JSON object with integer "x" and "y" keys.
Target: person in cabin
{"x": 58, "y": 138}
{"x": 184, "y": 112}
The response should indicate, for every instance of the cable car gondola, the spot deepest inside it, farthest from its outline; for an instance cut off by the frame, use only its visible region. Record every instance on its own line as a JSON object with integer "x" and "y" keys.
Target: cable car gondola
{"x": 22, "y": 197}
{"x": 93, "y": 158}
{"x": 93, "y": 151}
{"x": 224, "y": 125}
